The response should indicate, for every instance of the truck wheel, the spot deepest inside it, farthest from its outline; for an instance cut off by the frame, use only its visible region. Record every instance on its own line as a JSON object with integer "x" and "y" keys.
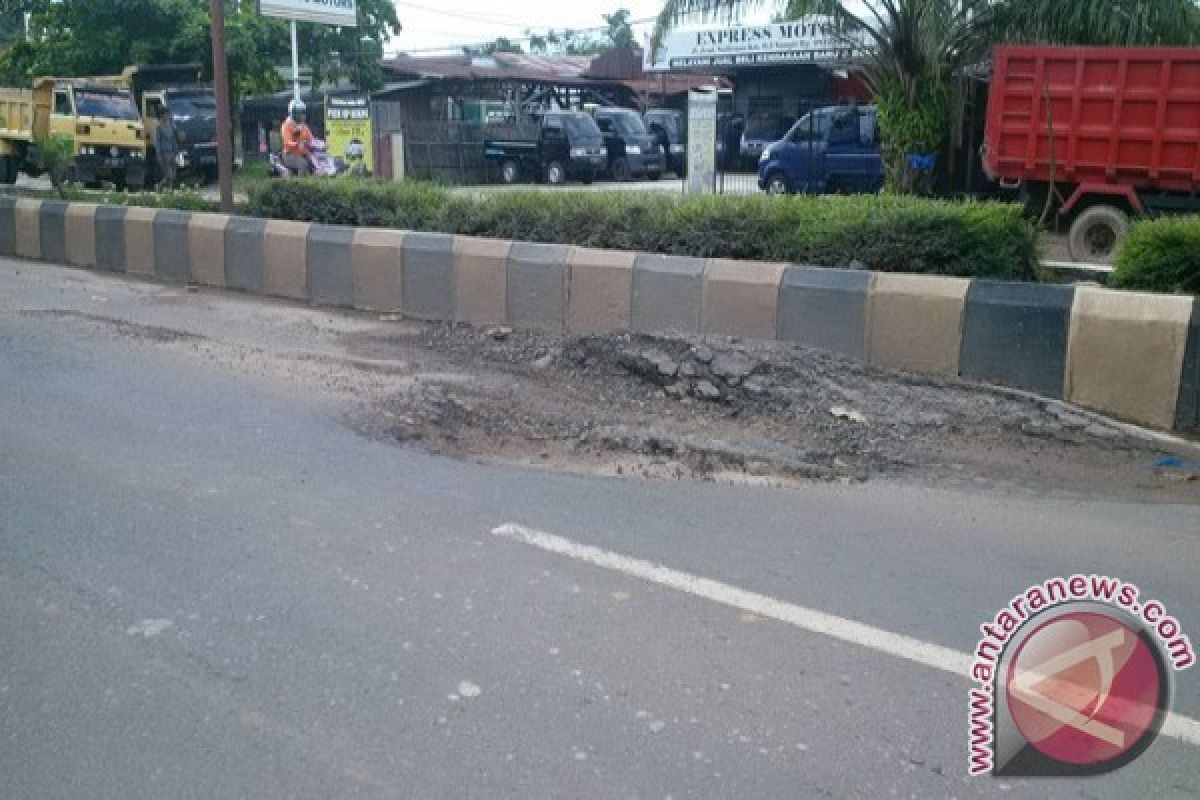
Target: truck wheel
{"x": 1096, "y": 234}
{"x": 510, "y": 173}
{"x": 620, "y": 170}
{"x": 587, "y": 178}
{"x": 8, "y": 169}
{"x": 778, "y": 184}
{"x": 556, "y": 173}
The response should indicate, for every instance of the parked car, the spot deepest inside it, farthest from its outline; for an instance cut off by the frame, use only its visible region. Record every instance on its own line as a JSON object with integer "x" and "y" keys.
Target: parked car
{"x": 832, "y": 149}
{"x": 760, "y": 130}
{"x": 670, "y": 128}
{"x": 1129, "y": 149}
{"x": 632, "y": 150}
{"x": 568, "y": 146}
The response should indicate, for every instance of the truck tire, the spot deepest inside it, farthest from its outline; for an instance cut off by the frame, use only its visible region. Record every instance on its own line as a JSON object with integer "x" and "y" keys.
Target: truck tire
{"x": 556, "y": 173}
{"x": 510, "y": 172}
{"x": 8, "y": 170}
{"x": 1096, "y": 234}
{"x": 620, "y": 170}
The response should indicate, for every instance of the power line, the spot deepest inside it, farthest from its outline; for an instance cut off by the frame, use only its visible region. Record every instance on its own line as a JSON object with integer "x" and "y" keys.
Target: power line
{"x": 462, "y": 15}
{"x": 518, "y": 39}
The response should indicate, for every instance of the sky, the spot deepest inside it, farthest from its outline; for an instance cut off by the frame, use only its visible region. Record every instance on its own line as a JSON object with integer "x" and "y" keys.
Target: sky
{"x": 447, "y": 25}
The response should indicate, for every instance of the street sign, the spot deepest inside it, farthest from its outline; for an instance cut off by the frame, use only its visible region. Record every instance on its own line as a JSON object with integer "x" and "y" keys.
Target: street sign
{"x": 809, "y": 40}
{"x": 327, "y": 12}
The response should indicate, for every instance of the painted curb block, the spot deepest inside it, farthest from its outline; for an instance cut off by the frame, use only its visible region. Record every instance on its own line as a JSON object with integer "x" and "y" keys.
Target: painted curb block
{"x": 28, "y": 239}
{"x": 667, "y": 294}
{"x": 599, "y": 290}
{"x": 377, "y": 262}
{"x": 1015, "y": 334}
{"x": 330, "y": 272}
{"x": 826, "y": 309}
{"x": 80, "y": 231}
{"x": 481, "y": 280}
{"x": 110, "y": 238}
{"x": 741, "y": 298}
{"x": 206, "y": 248}
{"x": 52, "y": 230}
{"x": 171, "y": 248}
{"x": 285, "y": 259}
{"x": 1187, "y": 416}
{"x": 139, "y": 242}
{"x": 1126, "y": 354}
{"x": 8, "y": 226}
{"x": 244, "y": 253}
{"x": 914, "y": 322}
{"x": 429, "y": 276}
{"x": 537, "y": 286}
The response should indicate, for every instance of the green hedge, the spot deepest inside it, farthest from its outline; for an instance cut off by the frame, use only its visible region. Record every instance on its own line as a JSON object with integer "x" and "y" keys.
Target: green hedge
{"x": 893, "y": 234}
{"x": 1160, "y": 255}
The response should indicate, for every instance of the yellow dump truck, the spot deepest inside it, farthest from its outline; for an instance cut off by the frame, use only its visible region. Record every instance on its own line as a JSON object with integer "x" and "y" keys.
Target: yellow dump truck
{"x": 108, "y": 140}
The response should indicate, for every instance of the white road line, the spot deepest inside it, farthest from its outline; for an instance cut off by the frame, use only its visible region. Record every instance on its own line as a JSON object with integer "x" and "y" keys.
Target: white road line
{"x": 1179, "y": 727}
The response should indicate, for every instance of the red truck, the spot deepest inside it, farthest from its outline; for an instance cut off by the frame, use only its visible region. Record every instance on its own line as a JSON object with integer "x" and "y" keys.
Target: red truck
{"x": 1125, "y": 141}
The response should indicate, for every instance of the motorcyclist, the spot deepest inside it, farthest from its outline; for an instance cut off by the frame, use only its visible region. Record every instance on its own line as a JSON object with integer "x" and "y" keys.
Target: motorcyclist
{"x": 297, "y": 139}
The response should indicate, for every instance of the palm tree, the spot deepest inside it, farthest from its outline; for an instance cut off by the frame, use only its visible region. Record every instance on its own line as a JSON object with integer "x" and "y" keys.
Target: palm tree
{"x": 917, "y": 46}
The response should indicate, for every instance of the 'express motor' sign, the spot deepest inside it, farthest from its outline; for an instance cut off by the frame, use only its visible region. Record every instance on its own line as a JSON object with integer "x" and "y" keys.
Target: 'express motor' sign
{"x": 329, "y": 12}
{"x": 810, "y": 40}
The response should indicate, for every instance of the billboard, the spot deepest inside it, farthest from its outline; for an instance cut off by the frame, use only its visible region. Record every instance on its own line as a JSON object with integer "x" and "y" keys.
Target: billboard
{"x": 348, "y": 131}
{"x": 809, "y": 40}
{"x": 328, "y": 12}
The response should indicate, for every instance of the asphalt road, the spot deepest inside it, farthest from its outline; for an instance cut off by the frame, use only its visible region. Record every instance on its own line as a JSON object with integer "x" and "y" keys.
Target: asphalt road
{"x": 215, "y": 587}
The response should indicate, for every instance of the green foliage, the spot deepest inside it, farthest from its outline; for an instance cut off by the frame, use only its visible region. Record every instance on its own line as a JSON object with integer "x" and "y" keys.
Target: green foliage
{"x": 180, "y": 201}
{"x": 56, "y": 152}
{"x": 1160, "y": 255}
{"x": 618, "y": 33}
{"x": 887, "y": 233}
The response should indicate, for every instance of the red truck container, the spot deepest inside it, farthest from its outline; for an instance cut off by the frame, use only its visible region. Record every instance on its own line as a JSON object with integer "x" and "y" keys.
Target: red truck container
{"x": 1126, "y": 135}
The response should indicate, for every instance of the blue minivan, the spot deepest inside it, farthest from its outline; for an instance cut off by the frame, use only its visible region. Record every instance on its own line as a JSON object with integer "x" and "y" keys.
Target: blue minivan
{"x": 832, "y": 149}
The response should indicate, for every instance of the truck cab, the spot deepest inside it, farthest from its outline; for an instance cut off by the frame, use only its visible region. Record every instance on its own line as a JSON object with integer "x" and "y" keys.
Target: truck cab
{"x": 831, "y": 149}
{"x": 105, "y": 126}
{"x": 632, "y": 150}
{"x": 193, "y": 108}
{"x": 670, "y": 128}
{"x": 567, "y": 145}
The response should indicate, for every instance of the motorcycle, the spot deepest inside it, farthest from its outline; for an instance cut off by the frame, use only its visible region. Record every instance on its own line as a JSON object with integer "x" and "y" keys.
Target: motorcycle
{"x": 320, "y": 164}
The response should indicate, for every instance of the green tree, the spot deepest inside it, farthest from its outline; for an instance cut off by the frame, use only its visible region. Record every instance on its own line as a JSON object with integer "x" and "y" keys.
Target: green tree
{"x": 618, "y": 32}
{"x": 500, "y": 45}
{"x": 916, "y": 46}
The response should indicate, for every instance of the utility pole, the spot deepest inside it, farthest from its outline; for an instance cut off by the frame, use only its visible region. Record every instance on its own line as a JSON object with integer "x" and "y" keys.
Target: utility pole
{"x": 224, "y": 126}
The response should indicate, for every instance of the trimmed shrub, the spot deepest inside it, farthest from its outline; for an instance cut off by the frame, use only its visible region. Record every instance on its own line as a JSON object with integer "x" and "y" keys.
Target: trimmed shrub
{"x": 886, "y": 233}
{"x": 1160, "y": 255}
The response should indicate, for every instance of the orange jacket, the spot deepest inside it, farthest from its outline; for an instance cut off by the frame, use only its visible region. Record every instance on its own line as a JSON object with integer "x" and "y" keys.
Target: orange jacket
{"x": 296, "y": 137}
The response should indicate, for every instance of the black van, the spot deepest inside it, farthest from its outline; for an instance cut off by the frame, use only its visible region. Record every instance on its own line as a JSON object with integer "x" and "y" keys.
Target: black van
{"x": 568, "y": 146}
{"x": 670, "y": 128}
{"x": 632, "y": 150}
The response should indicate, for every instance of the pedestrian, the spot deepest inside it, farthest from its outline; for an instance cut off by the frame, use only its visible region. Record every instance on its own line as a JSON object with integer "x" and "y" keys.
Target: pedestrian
{"x": 166, "y": 148}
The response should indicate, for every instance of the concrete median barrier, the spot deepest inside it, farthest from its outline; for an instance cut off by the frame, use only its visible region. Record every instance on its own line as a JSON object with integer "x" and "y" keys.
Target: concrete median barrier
{"x": 28, "y": 224}
{"x": 667, "y": 294}
{"x": 480, "y": 280}
{"x": 429, "y": 276}
{"x": 1126, "y": 354}
{"x": 110, "y": 238}
{"x": 537, "y": 286}
{"x": 244, "y": 240}
{"x": 139, "y": 242}
{"x": 8, "y": 226}
{"x": 1015, "y": 334}
{"x": 826, "y": 309}
{"x": 52, "y": 231}
{"x": 599, "y": 290}
{"x": 914, "y": 322}
{"x": 377, "y": 262}
{"x": 171, "y": 250}
{"x": 330, "y": 268}
{"x": 741, "y": 298}
{"x": 285, "y": 259}
{"x": 1187, "y": 415}
{"x": 79, "y": 224}
{"x": 206, "y": 248}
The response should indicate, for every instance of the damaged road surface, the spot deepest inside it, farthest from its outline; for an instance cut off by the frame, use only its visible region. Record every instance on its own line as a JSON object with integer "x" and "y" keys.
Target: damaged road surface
{"x": 252, "y": 549}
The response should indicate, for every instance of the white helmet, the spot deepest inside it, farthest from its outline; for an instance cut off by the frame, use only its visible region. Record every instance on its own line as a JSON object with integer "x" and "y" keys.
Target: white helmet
{"x": 296, "y": 107}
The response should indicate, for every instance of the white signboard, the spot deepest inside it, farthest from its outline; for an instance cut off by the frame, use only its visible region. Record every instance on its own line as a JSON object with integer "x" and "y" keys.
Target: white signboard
{"x": 809, "y": 40}
{"x": 328, "y": 12}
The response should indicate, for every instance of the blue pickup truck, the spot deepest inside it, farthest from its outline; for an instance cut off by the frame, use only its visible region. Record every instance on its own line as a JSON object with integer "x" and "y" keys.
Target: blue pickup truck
{"x": 833, "y": 149}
